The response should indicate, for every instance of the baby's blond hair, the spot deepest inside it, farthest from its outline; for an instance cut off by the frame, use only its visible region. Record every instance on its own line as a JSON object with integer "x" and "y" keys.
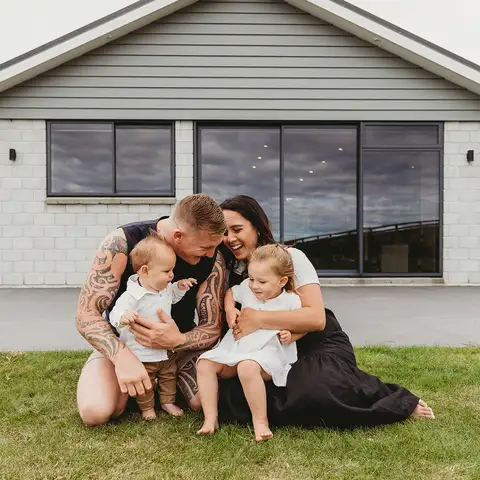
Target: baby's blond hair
{"x": 146, "y": 250}
{"x": 281, "y": 260}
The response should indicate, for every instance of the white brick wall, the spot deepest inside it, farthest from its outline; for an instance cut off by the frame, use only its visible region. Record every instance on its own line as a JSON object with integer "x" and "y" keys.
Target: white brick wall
{"x": 52, "y": 245}
{"x": 461, "y": 247}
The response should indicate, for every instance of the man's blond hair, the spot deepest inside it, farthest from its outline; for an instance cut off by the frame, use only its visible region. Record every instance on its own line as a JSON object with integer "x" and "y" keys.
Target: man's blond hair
{"x": 200, "y": 212}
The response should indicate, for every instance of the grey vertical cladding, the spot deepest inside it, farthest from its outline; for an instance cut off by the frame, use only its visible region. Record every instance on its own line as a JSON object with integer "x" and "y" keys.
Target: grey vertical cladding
{"x": 240, "y": 60}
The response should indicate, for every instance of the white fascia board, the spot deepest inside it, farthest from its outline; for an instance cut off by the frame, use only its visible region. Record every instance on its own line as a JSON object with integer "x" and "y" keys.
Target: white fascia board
{"x": 57, "y": 54}
{"x": 395, "y": 42}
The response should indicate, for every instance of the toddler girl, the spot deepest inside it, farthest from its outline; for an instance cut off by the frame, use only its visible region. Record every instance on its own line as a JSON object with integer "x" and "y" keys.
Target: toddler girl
{"x": 261, "y": 356}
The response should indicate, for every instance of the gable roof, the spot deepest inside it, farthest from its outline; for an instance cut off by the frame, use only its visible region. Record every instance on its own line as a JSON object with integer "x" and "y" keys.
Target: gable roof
{"x": 340, "y": 13}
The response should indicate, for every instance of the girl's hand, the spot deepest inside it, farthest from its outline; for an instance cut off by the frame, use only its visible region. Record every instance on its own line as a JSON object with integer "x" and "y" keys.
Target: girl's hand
{"x": 129, "y": 318}
{"x": 232, "y": 316}
{"x": 186, "y": 283}
{"x": 285, "y": 337}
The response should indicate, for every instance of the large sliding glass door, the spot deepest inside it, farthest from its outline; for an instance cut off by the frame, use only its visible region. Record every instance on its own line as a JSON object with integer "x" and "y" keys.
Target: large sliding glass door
{"x": 358, "y": 199}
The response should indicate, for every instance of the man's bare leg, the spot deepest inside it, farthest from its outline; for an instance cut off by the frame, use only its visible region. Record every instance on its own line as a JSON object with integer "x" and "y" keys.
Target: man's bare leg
{"x": 99, "y": 398}
{"x": 207, "y": 377}
{"x": 252, "y": 378}
{"x": 187, "y": 378}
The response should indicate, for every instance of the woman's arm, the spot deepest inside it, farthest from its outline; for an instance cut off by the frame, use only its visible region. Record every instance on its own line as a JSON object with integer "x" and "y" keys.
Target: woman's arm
{"x": 309, "y": 318}
{"x": 297, "y": 336}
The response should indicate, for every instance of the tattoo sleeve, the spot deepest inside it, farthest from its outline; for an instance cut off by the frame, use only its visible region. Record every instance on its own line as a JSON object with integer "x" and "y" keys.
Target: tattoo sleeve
{"x": 210, "y": 309}
{"x": 98, "y": 291}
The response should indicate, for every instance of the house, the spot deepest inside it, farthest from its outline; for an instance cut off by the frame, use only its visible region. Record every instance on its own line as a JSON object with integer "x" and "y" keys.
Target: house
{"x": 358, "y": 138}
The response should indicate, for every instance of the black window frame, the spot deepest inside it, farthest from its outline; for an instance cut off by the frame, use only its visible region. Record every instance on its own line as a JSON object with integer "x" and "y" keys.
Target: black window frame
{"x": 361, "y": 146}
{"x": 114, "y": 124}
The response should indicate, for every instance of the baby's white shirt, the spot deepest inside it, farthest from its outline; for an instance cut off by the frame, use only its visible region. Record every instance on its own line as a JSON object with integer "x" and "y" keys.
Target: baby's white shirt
{"x": 138, "y": 299}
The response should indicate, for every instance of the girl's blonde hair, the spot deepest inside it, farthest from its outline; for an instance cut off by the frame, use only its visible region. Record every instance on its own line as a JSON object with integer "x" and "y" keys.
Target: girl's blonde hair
{"x": 281, "y": 259}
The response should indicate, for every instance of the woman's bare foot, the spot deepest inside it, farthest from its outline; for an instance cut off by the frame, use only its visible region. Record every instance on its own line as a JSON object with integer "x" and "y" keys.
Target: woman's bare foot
{"x": 262, "y": 432}
{"x": 172, "y": 409}
{"x": 149, "y": 414}
{"x": 422, "y": 410}
{"x": 209, "y": 427}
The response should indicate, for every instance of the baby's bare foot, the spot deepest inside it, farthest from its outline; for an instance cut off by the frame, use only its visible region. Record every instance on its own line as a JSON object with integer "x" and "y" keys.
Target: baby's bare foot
{"x": 209, "y": 427}
{"x": 172, "y": 409}
{"x": 422, "y": 410}
{"x": 262, "y": 431}
{"x": 149, "y": 414}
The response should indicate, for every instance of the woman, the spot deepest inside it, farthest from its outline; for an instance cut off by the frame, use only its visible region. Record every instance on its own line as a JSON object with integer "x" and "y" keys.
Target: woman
{"x": 324, "y": 387}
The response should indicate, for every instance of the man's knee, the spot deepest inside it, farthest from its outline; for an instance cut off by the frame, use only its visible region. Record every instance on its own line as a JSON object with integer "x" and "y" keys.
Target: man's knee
{"x": 247, "y": 369}
{"x": 194, "y": 403}
{"x": 93, "y": 415}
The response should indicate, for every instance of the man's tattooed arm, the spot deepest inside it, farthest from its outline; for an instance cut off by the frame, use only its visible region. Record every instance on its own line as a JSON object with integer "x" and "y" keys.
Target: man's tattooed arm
{"x": 210, "y": 310}
{"x": 98, "y": 291}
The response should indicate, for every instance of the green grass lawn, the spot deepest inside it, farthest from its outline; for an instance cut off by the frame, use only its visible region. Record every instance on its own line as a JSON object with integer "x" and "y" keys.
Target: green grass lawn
{"x": 42, "y": 437}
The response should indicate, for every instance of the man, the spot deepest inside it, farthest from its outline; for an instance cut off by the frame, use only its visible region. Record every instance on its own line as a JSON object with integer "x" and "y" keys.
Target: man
{"x": 113, "y": 372}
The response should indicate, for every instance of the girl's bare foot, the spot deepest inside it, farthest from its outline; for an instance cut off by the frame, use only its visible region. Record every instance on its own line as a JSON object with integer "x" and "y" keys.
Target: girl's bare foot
{"x": 422, "y": 410}
{"x": 149, "y": 414}
{"x": 172, "y": 409}
{"x": 262, "y": 432}
{"x": 209, "y": 427}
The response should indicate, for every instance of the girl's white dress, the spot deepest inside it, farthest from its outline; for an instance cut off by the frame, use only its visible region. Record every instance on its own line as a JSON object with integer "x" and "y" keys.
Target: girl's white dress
{"x": 262, "y": 346}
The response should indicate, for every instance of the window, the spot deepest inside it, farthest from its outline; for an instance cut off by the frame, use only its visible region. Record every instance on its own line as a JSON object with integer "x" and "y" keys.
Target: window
{"x": 401, "y": 167}
{"x": 361, "y": 199}
{"x": 110, "y": 159}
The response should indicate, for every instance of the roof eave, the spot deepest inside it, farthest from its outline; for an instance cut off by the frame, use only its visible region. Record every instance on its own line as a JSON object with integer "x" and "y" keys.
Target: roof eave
{"x": 436, "y": 60}
{"x": 73, "y": 46}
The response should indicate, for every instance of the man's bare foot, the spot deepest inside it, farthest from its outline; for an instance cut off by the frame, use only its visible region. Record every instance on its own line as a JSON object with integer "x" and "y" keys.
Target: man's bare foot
{"x": 172, "y": 409}
{"x": 422, "y": 410}
{"x": 209, "y": 427}
{"x": 149, "y": 414}
{"x": 262, "y": 432}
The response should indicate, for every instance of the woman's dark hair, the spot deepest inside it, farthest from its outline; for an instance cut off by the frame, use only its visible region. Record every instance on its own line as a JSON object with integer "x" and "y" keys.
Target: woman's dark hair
{"x": 250, "y": 209}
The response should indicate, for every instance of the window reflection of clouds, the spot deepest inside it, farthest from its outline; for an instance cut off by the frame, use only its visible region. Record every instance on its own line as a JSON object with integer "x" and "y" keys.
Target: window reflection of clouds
{"x": 228, "y": 156}
{"x": 143, "y": 160}
{"x": 325, "y": 201}
{"x": 394, "y": 192}
{"x": 401, "y": 135}
{"x": 81, "y": 158}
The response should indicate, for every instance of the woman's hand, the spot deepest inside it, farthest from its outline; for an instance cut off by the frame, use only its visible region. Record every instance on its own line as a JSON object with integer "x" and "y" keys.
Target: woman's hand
{"x": 232, "y": 315}
{"x": 247, "y": 322}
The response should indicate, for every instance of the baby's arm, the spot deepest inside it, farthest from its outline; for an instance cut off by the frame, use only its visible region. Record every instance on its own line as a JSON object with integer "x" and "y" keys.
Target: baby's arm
{"x": 180, "y": 288}
{"x": 124, "y": 312}
{"x": 230, "y": 310}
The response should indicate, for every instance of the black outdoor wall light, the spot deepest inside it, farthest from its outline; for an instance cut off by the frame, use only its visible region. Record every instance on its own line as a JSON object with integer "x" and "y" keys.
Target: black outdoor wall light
{"x": 12, "y": 154}
{"x": 470, "y": 156}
